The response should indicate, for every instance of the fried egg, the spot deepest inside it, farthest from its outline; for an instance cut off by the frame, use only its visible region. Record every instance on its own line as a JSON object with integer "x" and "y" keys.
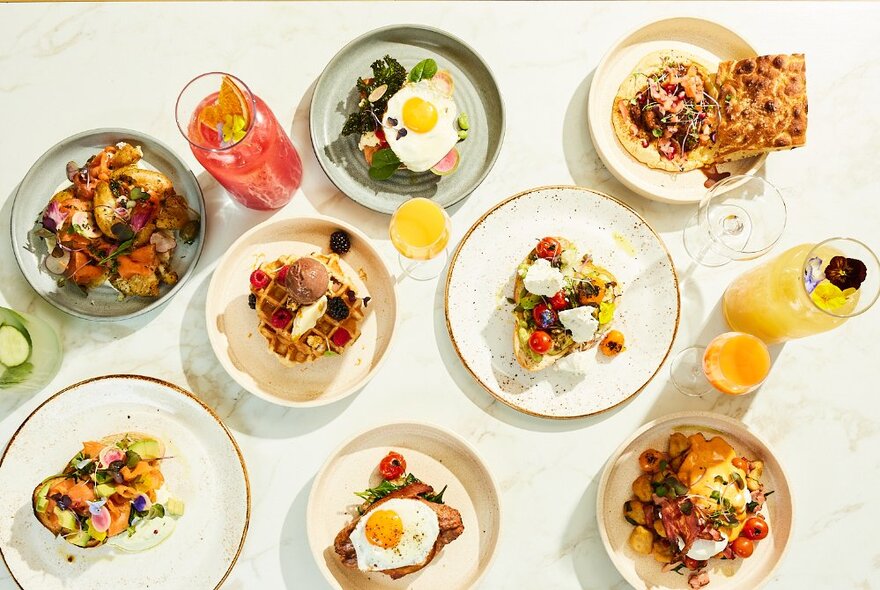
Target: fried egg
{"x": 398, "y": 533}
{"x": 420, "y": 124}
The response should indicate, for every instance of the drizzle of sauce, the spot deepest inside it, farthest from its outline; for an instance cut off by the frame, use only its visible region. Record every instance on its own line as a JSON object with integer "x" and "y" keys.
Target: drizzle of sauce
{"x": 70, "y": 558}
{"x": 624, "y": 243}
{"x": 713, "y": 175}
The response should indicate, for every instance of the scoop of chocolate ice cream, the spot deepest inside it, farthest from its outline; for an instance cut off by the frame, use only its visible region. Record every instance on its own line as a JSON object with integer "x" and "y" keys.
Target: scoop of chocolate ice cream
{"x": 307, "y": 281}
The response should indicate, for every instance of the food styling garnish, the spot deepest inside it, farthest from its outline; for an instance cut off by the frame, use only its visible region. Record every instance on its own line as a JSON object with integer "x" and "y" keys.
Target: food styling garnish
{"x": 337, "y": 309}
{"x": 846, "y": 273}
{"x": 340, "y": 242}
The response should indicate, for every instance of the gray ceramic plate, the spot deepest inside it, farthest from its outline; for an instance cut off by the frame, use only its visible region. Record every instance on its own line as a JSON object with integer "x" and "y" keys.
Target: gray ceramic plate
{"x": 48, "y": 175}
{"x": 476, "y": 94}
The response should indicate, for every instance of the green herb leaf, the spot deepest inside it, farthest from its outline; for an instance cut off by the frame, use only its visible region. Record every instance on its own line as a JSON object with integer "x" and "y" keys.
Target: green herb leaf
{"x": 121, "y": 249}
{"x": 657, "y": 132}
{"x": 137, "y": 194}
{"x": 385, "y": 163}
{"x": 686, "y": 507}
{"x": 661, "y": 490}
{"x": 716, "y": 495}
{"x": 156, "y": 511}
{"x": 423, "y": 70}
{"x": 383, "y": 489}
{"x": 436, "y": 498}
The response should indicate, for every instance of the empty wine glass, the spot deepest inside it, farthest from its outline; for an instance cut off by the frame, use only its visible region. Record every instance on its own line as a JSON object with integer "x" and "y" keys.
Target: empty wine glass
{"x": 740, "y": 218}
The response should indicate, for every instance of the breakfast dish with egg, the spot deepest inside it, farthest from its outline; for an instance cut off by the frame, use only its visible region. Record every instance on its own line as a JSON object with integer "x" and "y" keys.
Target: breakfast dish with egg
{"x": 307, "y": 307}
{"x": 111, "y": 489}
{"x": 407, "y": 119}
{"x": 695, "y": 501}
{"x": 563, "y": 303}
{"x": 401, "y": 525}
{"x": 116, "y": 222}
{"x": 672, "y": 114}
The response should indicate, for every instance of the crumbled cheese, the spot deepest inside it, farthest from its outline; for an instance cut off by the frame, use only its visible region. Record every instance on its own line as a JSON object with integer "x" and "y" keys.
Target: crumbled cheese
{"x": 368, "y": 139}
{"x": 543, "y": 279}
{"x": 580, "y": 322}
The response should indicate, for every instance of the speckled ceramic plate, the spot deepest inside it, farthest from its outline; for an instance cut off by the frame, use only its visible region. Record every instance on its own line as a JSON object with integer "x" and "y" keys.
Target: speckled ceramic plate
{"x": 207, "y": 472}
{"x": 476, "y": 94}
{"x": 615, "y": 488}
{"x": 480, "y": 320}
{"x": 436, "y": 456}
{"x": 701, "y": 38}
{"x": 243, "y": 351}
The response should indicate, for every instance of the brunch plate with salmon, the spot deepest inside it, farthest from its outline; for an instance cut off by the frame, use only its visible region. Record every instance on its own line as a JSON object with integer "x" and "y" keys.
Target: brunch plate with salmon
{"x": 108, "y": 224}
{"x": 694, "y": 500}
{"x": 301, "y": 312}
{"x": 562, "y": 302}
{"x": 122, "y": 478}
{"x": 419, "y": 115}
{"x": 682, "y": 103}
{"x": 404, "y": 505}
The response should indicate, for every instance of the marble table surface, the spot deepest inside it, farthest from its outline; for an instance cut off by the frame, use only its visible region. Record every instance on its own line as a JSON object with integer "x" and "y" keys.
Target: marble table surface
{"x": 817, "y": 409}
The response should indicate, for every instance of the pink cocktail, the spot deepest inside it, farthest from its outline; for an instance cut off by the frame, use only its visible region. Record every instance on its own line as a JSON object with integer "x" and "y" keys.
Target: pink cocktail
{"x": 236, "y": 138}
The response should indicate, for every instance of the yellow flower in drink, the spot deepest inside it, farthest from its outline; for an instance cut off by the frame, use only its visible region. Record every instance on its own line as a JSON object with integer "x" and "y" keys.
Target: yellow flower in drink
{"x": 233, "y": 128}
{"x": 827, "y": 296}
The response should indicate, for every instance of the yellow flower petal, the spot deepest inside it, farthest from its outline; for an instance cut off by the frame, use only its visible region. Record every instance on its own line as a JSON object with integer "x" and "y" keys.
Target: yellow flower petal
{"x": 828, "y": 296}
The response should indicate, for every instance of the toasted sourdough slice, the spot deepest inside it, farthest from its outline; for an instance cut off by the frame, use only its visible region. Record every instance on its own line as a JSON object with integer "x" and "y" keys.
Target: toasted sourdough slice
{"x": 764, "y": 105}
{"x": 525, "y": 357}
{"x": 449, "y": 519}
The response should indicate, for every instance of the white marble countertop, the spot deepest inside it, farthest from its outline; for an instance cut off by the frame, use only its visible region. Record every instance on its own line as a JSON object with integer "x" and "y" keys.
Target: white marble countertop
{"x": 818, "y": 408}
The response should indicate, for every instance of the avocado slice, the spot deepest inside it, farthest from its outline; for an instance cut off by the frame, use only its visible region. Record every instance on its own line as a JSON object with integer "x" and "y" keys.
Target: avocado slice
{"x": 79, "y": 538}
{"x": 147, "y": 449}
{"x": 103, "y": 490}
{"x": 42, "y": 500}
{"x": 67, "y": 519}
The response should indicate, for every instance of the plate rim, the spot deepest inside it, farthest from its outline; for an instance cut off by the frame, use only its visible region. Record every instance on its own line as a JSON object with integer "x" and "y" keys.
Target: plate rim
{"x": 591, "y": 100}
{"x": 322, "y": 472}
{"x": 322, "y": 77}
{"x": 162, "y": 299}
{"x": 697, "y": 416}
{"x": 454, "y": 258}
{"x": 168, "y": 386}
{"x": 214, "y": 334}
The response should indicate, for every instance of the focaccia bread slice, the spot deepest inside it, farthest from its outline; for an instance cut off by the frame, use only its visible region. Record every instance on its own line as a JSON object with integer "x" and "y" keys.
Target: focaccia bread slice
{"x": 764, "y": 105}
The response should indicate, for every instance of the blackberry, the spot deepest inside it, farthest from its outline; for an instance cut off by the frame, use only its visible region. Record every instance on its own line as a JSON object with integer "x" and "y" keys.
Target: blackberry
{"x": 252, "y": 301}
{"x": 337, "y": 309}
{"x": 340, "y": 242}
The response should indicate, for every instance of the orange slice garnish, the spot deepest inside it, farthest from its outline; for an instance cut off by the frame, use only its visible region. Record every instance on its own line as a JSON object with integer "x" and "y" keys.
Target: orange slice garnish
{"x": 230, "y": 101}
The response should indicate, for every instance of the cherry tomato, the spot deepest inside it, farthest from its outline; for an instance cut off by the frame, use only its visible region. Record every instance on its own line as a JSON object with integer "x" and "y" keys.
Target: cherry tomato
{"x": 743, "y": 547}
{"x": 558, "y": 301}
{"x": 692, "y": 564}
{"x": 392, "y": 466}
{"x": 549, "y": 248}
{"x": 540, "y": 342}
{"x": 741, "y": 462}
{"x": 756, "y": 529}
{"x": 544, "y": 316}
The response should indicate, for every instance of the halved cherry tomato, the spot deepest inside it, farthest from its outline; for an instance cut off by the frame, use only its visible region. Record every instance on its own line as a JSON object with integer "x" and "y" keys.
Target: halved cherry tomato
{"x": 558, "y": 301}
{"x": 392, "y": 466}
{"x": 544, "y": 316}
{"x": 589, "y": 292}
{"x": 743, "y": 547}
{"x": 548, "y": 248}
{"x": 756, "y": 529}
{"x": 380, "y": 134}
{"x": 741, "y": 463}
{"x": 540, "y": 342}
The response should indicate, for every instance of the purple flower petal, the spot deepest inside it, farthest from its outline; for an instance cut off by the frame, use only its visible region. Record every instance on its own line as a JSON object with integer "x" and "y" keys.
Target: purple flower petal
{"x": 95, "y": 507}
{"x": 53, "y": 217}
{"x": 141, "y": 503}
{"x": 813, "y": 273}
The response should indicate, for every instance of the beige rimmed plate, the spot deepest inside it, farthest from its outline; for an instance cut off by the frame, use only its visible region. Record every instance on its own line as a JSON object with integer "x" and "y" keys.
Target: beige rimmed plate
{"x": 701, "y": 38}
{"x": 207, "y": 472}
{"x": 233, "y": 326}
{"x": 479, "y": 316}
{"x": 436, "y": 456}
{"x": 641, "y": 571}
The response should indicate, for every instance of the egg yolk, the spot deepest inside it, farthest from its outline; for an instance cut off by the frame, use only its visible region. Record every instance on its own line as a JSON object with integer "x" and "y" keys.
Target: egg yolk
{"x": 419, "y": 115}
{"x": 384, "y": 529}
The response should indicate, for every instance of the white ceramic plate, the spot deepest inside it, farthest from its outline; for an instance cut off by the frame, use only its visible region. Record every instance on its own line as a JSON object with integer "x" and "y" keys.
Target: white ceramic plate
{"x": 704, "y": 39}
{"x": 480, "y": 320}
{"x": 207, "y": 473}
{"x": 436, "y": 456}
{"x": 233, "y": 326}
{"x": 615, "y": 488}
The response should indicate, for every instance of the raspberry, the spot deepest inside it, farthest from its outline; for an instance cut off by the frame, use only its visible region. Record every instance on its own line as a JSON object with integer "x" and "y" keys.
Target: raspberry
{"x": 337, "y": 309}
{"x": 282, "y": 273}
{"x": 340, "y": 242}
{"x": 340, "y": 337}
{"x": 281, "y": 318}
{"x": 259, "y": 279}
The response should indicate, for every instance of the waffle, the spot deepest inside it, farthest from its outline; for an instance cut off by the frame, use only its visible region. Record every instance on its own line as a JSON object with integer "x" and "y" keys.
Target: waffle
{"x": 314, "y": 343}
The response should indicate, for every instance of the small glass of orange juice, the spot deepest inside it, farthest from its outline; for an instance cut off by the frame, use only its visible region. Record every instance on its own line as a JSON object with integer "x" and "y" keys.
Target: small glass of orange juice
{"x": 420, "y": 230}
{"x": 734, "y": 363}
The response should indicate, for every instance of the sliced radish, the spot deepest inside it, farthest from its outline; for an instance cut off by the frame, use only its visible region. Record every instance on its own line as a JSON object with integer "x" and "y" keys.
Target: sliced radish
{"x": 448, "y": 164}
{"x": 110, "y": 454}
{"x": 57, "y": 265}
{"x": 101, "y": 520}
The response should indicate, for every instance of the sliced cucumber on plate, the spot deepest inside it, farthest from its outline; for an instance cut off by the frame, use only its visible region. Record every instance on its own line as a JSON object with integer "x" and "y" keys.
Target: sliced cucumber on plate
{"x": 15, "y": 348}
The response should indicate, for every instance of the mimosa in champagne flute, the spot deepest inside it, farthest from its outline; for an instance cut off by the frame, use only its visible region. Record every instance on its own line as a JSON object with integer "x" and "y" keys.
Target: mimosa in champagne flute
{"x": 420, "y": 230}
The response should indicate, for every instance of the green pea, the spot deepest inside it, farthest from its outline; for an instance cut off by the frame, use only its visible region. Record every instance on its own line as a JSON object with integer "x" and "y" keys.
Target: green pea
{"x": 463, "y": 122}
{"x": 462, "y": 135}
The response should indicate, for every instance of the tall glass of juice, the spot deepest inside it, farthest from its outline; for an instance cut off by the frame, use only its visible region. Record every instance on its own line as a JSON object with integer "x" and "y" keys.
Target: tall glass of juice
{"x": 420, "y": 230}
{"x": 808, "y": 289}
{"x": 236, "y": 138}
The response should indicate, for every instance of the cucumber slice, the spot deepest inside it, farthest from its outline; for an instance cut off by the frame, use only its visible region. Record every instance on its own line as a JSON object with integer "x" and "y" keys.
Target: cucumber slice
{"x": 10, "y": 318}
{"x": 14, "y": 346}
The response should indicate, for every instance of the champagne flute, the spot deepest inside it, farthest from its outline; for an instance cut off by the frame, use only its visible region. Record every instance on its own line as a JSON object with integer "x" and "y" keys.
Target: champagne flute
{"x": 420, "y": 230}
{"x": 734, "y": 363}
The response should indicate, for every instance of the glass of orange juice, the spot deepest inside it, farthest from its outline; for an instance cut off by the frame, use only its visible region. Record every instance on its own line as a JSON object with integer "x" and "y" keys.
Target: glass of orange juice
{"x": 808, "y": 289}
{"x": 734, "y": 363}
{"x": 420, "y": 230}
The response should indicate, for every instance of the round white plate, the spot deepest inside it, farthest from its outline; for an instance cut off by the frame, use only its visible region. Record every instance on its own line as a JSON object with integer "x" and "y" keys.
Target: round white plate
{"x": 244, "y": 352}
{"x": 207, "y": 473}
{"x": 615, "y": 488}
{"x": 436, "y": 456}
{"x": 480, "y": 320}
{"x": 704, "y": 39}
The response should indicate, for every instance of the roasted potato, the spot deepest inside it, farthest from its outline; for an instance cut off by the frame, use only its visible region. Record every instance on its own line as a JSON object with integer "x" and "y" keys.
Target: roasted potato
{"x": 641, "y": 487}
{"x": 659, "y": 528}
{"x": 678, "y": 444}
{"x": 126, "y": 155}
{"x": 641, "y": 540}
{"x": 675, "y": 462}
{"x": 634, "y": 512}
{"x": 174, "y": 213}
{"x": 149, "y": 180}
{"x": 142, "y": 285}
{"x": 144, "y": 234}
{"x": 105, "y": 209}
{"x": 662, "y": 551}
{"x": 753, "y": 480}
{"x": 650, "y": 460}
{"x": 64, "y": 195}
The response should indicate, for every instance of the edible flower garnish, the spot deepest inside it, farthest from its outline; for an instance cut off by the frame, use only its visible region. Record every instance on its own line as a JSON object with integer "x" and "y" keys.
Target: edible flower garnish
{"x": 828, "y": 296}
{"x": 53, "y": 217}
{"x": 100, "y": 520}
{"x": 846, "y": 273}
{"x": 813, "y": 274}
{"x": 95, "y": 507}
{"x": 233, "y": 129}
{"x": 109, "y": 455}
{"x": 142, "y": 503}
